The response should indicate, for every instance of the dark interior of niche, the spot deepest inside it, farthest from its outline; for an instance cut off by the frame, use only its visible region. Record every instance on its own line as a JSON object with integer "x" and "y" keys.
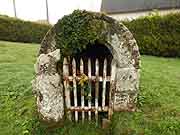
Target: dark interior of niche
{"x": 95, "y": 51}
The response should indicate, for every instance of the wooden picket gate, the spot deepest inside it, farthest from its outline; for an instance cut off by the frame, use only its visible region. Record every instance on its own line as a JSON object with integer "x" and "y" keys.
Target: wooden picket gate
{"x": 93, "y": 104}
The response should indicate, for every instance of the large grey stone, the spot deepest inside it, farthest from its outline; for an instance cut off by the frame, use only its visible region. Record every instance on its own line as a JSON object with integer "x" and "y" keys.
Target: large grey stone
{"x": 48, "y": 88}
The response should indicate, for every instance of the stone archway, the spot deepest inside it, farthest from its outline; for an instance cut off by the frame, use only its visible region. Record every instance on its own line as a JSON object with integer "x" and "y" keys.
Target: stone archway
{"x": 123, "y": 47}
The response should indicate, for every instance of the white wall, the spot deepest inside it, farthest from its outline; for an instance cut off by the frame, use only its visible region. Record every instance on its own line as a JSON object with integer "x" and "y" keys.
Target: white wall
{"x": 134, "y": 15}
{"x": 6, "y": 7}
{"x": 36, "y": 9}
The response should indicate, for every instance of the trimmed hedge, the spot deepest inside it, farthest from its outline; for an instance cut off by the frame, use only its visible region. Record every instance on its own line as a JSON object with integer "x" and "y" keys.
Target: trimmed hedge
{"x": 157, "y": 35}
{"x": 12, "y": 29}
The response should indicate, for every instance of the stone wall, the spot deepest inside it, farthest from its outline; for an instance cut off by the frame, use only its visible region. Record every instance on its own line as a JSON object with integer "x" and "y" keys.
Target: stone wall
{"x": 48, "y": 81}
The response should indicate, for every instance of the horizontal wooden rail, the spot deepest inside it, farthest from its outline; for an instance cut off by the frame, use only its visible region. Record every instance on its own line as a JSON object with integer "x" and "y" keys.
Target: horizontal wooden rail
{"x": 86, "y": 109}
{"x": 93, "y": 78}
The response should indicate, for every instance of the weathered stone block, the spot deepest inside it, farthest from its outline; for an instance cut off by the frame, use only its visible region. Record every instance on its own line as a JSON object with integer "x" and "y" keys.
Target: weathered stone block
{"x": 127, "y": 85}
{"x": 47, "y": 87}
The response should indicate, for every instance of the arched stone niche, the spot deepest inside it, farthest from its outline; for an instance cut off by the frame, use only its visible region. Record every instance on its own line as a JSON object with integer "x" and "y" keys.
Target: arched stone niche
{"x": 48, "y": 84}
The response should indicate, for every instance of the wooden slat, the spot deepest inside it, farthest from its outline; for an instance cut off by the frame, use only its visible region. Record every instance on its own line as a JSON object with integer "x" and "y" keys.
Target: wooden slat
{"x": 89, "y": 94}
{"x": 104, "y": 83}
{"x": 82, "y": 89}
{"x": 112, "y": 88}
{"x": 66, "y": 86}
{"x": 74, "y": 87}
{"x": 96, "y": 89}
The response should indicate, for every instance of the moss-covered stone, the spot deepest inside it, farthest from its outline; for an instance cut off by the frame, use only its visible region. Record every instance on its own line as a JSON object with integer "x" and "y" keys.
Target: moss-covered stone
{"x": 76, "y": 31}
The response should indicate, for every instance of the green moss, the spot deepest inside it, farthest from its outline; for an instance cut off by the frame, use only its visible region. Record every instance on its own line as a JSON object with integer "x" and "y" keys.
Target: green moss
{"x": 80, "y": 29}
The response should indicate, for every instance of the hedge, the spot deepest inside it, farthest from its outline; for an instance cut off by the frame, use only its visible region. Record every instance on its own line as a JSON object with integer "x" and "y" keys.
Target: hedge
{"x": 157, "y": 35}
{"x": 12, "y": 29}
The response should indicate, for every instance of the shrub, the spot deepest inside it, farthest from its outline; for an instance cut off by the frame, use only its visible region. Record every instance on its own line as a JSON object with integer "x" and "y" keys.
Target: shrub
{"x": 157, "y": 35}
{"x": 12, "y": 29}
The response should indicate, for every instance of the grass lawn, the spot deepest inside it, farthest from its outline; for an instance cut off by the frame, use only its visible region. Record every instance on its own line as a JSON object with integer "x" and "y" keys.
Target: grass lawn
{"x": 159, "y": 99}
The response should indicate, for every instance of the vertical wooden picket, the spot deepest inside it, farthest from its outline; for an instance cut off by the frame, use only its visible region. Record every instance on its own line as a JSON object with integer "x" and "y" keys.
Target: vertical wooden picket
{"x": 74, "y": 87}
{"x": 104, "y": 84}
{"x": 112, "y": 88}
{"x": 96, "y": 89}
{"x": 82, "y": 89}
{"x": 89, "y": 94}
{"x": 66, "y": 86}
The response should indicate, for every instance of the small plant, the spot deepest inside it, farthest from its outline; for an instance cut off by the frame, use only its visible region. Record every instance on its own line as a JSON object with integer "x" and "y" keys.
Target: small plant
{"x": 83, "y": 82}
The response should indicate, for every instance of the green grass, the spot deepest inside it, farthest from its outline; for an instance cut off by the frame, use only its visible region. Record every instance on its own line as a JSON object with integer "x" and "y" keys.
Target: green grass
{"x": 159, "y": 99}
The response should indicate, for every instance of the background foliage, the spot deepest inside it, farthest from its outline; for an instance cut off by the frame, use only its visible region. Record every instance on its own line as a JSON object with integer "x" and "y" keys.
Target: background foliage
{"x": 12, "y": 29}
{"x": 157, "y": 35}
